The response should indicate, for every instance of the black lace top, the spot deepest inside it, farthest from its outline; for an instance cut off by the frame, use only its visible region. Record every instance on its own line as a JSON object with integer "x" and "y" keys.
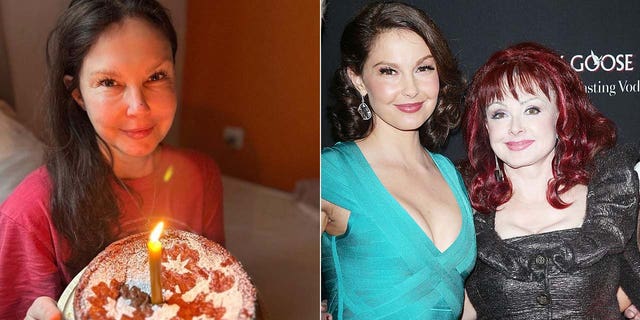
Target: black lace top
{"x": 566, "y": 274}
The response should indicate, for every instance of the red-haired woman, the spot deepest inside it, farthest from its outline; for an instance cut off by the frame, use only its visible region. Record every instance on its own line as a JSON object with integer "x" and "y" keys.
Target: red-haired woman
{"x": 556, "y": 202}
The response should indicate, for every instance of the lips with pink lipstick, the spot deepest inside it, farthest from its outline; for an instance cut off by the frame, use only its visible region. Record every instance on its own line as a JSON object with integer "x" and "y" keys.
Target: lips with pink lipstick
{"x": 138, "y": 133}
{"x": 409, "y": 107}
{"x": 519, "y": 145}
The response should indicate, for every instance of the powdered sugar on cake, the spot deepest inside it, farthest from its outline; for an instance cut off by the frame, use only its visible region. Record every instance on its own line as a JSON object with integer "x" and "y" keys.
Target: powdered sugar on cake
{"x": 118, "y": 308}
{"x": 166, "y": 311}
{"x": 200, "y": 280}
{"x": 176, "y": 265}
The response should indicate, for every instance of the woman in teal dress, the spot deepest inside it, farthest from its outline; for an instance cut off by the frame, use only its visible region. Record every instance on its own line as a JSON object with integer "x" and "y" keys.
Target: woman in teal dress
{"x": 398, "y": 240}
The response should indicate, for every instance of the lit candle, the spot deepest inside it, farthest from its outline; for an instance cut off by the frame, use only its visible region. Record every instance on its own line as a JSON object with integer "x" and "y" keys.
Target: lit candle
{"x": 155, "y": 267}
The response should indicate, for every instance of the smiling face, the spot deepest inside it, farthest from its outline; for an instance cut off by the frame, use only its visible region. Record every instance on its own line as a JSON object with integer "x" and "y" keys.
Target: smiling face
{"x": 401, "y": 80}
{"x": 522, "y": 131}
{"x": 126, "y": 86}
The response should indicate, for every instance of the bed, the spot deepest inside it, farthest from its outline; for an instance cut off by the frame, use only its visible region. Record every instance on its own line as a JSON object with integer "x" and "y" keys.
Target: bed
{"x": 20, "y": 151}
{"x": 275, "y": 235}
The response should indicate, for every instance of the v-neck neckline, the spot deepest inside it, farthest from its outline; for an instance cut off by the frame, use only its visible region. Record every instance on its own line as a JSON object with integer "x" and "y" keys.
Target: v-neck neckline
{"x": 402, "y": 213}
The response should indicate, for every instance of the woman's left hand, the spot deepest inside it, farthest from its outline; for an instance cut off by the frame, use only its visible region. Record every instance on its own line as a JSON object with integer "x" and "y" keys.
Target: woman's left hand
{"x": 626, "y": 307}
{"x": 323, "y": 311}
{"x": 43, "y": 308}
{"x": 334, "y": 218}
{"x": 632, "y": 313}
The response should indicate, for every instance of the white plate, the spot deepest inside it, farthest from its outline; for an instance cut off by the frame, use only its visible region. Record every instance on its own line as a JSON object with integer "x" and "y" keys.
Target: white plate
{"x": 65, "y": 303}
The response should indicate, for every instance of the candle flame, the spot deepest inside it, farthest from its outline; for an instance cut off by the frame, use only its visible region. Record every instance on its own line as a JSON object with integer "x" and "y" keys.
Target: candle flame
{"x": 155, "y": 234}
{"x": 168, "y": 174}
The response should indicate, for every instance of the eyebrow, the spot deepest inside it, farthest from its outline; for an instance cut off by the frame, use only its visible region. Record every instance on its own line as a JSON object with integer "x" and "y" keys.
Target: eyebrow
{"x": 529, "y": 100}
{"x": 113, "y": 73}
{"x": 521, "y": 102}
{"x": 396, "y": 65}
{"x": 105, "y": 72}
{"x": 161, "y": 62}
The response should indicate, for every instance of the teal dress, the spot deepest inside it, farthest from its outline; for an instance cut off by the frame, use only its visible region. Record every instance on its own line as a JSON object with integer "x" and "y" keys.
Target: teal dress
{"x": 385, "y": 266}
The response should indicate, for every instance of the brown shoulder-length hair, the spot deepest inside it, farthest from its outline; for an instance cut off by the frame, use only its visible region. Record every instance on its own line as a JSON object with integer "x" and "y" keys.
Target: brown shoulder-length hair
{"x": 83, "y": 204}
{"x": 356, "y": 42}
{"x": 581, "y": 129}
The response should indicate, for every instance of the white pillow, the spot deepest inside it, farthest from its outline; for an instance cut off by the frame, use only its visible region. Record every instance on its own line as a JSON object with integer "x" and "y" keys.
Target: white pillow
{"x": 20, "y": 151}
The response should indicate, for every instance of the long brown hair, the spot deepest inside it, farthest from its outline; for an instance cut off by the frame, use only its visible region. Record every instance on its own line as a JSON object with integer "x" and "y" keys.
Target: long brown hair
{"x": 84, "y": 207}
{"x": 357, "y": 39}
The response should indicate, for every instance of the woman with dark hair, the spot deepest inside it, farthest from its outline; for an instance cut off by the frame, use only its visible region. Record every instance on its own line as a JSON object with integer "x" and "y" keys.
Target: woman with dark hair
{"x": 556, "y": 204}
{"x": 398, "y": 236}
{"x": 111, "y": 101}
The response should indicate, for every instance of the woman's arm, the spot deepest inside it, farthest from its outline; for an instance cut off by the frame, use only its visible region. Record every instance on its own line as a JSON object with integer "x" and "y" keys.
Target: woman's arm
{"x": 469, "y": 312}
{"x": 623, "y": 300}
{"x": 630, "y": 311}
{"x": 612, "y": 208}
{"x": 28, "y": 267}
{"x": 630, "y": 270}
{"x": 335, "y": 218}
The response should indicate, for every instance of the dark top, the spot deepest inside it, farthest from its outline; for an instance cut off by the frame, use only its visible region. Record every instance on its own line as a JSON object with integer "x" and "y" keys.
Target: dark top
{"x": 565, "y": 274}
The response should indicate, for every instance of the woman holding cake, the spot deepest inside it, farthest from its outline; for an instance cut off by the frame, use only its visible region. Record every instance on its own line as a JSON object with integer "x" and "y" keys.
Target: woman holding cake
{"x": 556, "y": 204}
{"x": 399, "y": 239}
{"x": 111, "y": 100}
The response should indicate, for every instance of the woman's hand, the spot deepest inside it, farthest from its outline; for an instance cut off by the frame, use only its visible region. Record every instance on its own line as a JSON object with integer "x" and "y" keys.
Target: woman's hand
{"x": 323, "y": 311}
{"x": 632, "y": 313}
{"x": 334, "y": 218}
{"x": 43, "y": 308}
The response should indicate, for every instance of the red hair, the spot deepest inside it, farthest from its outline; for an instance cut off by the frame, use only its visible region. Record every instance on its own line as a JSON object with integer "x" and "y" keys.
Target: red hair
{"x": 581, "y": 129}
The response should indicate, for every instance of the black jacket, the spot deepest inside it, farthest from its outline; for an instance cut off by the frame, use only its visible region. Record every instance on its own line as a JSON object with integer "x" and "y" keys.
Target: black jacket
{"x": 566, "y": 274}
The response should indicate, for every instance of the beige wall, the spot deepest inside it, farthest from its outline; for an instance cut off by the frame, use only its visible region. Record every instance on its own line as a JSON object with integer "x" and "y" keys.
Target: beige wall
{"x": 25, "y": 25}
{"x": 255, "y": 66}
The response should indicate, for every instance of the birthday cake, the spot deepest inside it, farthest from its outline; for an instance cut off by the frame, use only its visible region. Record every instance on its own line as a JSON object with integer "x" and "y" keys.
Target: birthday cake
{"x": 200, "y": 280}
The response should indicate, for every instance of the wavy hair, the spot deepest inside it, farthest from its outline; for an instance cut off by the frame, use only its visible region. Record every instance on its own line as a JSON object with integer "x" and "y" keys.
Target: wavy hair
{"x": 356, "y": 42}
{"x": 581, "y": 129}
{"x": 83, "y": 204}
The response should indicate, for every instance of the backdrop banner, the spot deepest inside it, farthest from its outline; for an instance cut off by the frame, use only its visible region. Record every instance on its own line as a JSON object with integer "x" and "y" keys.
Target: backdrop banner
{"x": 600, "y": 39}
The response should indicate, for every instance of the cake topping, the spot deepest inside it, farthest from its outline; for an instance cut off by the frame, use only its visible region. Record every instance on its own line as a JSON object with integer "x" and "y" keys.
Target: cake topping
{"x": 200, "y": 280}
{"x": 135, "y": 295}
{"x": 118, "y": 308}
{"x": 177, "y": 265}
{"x": 221, "y": 282}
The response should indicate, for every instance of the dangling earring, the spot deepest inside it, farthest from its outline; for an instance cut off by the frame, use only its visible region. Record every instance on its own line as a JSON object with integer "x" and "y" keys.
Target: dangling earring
{"x": 498, "y": 172}
{"x": 363, "y": 109}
